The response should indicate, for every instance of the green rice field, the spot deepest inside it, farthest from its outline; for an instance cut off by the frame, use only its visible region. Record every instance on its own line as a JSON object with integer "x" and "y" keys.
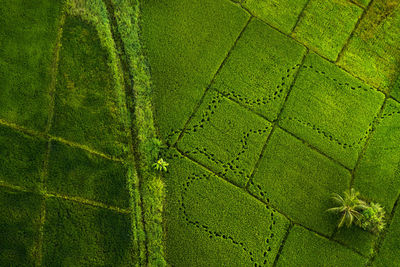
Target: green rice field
{"x": 260, "y": 109}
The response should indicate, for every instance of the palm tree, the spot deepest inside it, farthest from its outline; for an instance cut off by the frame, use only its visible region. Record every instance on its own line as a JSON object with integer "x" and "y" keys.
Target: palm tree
{"x": 350, "y": 207}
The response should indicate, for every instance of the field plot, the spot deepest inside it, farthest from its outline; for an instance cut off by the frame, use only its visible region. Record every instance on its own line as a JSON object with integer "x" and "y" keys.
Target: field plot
{"x": 331, "y": 110}
{"x": 208, "y": 216}
{"x": 373, "y": 52}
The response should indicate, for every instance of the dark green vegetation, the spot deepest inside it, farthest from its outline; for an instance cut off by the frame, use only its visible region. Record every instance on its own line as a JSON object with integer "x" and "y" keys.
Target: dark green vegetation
{"x": 78, "y": 151}
{"x": 28, "y": 34}
{"x": 278, "y": 71}
{"x": 21, "y": 158}
{"x": 77, "y": 173}
{"x": 86, "y": 106}
{"x": 326, "y": 25}
{"x": 77, "y": 235}
{"x": 19, "y": 227}
{"x": 302, "y": 245}
{"x": 390, "y": 250}
{"x": 266, "y": 108}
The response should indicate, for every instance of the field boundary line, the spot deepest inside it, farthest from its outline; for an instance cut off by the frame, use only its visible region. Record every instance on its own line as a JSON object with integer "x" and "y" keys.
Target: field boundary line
{"x": 51, "y": 91}
{"x": 79, "y": 200}
{"x": 47, "y": 137}
{"x": 361, "y": 154}
{"x": 381, "y": 238}
{"x": 282, "y": 244}
{"x": 299, "y": 17}
{"x": 356, "y": 26}
{"x": 275, "y": 122}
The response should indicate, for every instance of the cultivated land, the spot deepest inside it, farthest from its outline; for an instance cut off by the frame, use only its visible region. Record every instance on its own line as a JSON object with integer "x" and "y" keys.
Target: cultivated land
{"x": 266, "y": 109}
{"x": 269, "y": 107}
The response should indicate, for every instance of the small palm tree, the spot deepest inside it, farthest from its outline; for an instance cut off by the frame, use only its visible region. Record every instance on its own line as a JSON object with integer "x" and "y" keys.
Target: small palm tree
{"x": 160, "y": 165}
{"x": 350, "y": 207}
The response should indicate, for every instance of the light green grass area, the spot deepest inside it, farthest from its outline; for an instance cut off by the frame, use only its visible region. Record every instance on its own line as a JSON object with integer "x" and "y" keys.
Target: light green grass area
{"x": 225, "y": 137}
{"x": 281, "y": 14}
{"x": 19, "y": 227}
{"x": 356, "y": 238}
{"x": 373, "y": 53}
{"x": 186, "y": 41}
{"x": 258, "y": 73}
{"x": 79, "y": 235}
{"x": 86, "y": 106}
{"x": 326, "y": 25}
{"x": 363, "y": 3}
{"x": 214, "y": 223}
{"x": 378, "y": 174}
{"x": 28, "y": 34}
{"x": 304, "y": 248}
{"x": 390, "y": 250}
{"x": 299, "y": 181}
{"x": 21, "y": 158}
{"x": 77, "y": 173}
{"x": 331, "y": 110}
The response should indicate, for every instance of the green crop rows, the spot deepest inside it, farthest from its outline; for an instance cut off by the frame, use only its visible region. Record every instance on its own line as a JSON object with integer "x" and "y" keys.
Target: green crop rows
{"x": 288, "y": 118}
{"x": 264, "y": 109}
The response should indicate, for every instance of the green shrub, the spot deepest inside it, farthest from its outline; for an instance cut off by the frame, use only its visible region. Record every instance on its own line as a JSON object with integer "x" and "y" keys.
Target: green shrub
{"x": 368, "y": 216}
{"x": 373, "y": 218}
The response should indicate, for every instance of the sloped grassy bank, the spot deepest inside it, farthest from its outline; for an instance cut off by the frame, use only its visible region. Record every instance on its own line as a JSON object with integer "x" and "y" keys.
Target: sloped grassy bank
{"x": 127, "y": 17}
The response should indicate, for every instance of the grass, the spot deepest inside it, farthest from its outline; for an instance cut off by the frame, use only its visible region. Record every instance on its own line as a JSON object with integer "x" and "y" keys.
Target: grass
{"x": 258, "y": 74}
{"x": 280, "y": 14}
{"x": 78, "y": 235}
{"x": 19, "y": 227}
{"x": 77, "y": 173}
{"x": 378, "y": 172}
{"x": 302, "y": 244}
{"x": 300, "y": 182}
{"x": 389, "y": 251}
{"x": 225, "y": 137}
{"x": 266, "y": 108}
{"x": 373, "y": 52}
{"x": 186, "y": 55}
{"x": 331, "y": 110}
{"x": 213, "y": 222}
{"x": 21, "y": 158}
{"x": 28, "y": 38}
{"x": 325, "y": 26}
{"x": 86, "y": 108}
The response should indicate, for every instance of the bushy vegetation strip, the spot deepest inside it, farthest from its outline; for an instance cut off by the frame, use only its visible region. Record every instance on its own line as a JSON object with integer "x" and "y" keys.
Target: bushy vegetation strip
{"x": 127, "y": 16}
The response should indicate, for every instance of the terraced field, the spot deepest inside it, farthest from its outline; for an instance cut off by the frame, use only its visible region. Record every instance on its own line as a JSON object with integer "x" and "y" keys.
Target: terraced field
{"x": 265, "y": 109}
